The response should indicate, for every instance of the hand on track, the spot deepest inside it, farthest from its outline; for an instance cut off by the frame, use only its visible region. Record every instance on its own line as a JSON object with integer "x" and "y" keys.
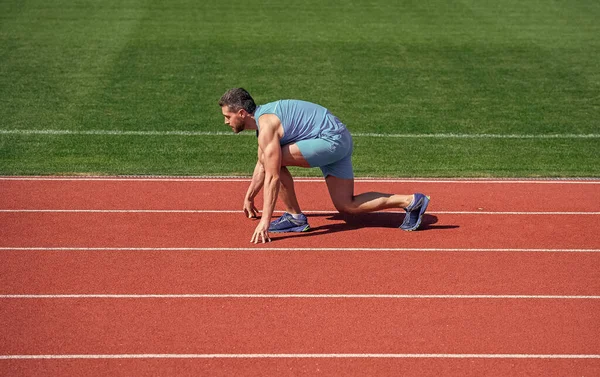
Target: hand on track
{"x": 261, "y": 233}
{"x": 249, "y": 209}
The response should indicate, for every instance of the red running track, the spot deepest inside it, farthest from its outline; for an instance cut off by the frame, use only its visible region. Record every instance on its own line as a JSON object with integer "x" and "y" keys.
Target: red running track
{"x": 467, "y": 248}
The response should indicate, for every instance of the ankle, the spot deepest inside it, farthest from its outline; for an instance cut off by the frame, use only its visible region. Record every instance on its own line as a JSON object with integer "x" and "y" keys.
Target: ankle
{"x": 410, "y": 201}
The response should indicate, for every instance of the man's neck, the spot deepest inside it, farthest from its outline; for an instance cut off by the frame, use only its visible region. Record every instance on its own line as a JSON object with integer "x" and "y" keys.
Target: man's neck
{"x": 250, "y": 123}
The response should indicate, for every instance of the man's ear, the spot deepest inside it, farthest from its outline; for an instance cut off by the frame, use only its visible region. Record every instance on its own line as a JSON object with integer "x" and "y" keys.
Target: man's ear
{"x": 242, "y": 113}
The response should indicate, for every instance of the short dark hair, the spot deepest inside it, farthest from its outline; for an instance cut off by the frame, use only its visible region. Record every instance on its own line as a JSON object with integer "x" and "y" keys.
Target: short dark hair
{"x": 236, "y": 99}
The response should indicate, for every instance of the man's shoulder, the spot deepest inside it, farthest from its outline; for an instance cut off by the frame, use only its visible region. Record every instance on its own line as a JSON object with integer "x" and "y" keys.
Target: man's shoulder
{"x": 267, "y": 119}
{"x": 267, "y": 108}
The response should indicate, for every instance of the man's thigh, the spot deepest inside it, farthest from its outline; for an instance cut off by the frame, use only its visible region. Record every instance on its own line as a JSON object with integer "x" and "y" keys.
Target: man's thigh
{"x": 332, "y": 154}
{"x": 292, "y": 156}
{"x": 325, "y": 151}
{"x": 309, "y": 153}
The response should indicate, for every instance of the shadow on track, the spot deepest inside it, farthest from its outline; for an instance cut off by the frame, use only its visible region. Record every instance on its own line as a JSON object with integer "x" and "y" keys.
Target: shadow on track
{"x": 366, "y": 220}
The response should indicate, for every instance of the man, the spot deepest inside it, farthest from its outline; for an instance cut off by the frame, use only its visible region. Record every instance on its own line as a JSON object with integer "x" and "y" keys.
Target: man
{"x": 299, "y": 133}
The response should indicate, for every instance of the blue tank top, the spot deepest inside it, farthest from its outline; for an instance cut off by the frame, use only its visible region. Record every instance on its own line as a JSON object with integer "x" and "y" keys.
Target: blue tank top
{"x": 301, "y": 120}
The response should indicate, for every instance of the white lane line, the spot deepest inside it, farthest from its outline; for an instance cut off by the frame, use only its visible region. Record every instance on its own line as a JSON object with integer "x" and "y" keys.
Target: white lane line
{"x": 307, "y": 356}
{"x": 292, "y": 296}
{"x": 582, "y": 181}
{"x": 259, "y": 248}
{"x": 129, "y": 211}
{"x": 332, "y": 212}
{"x": 354, "y": 134}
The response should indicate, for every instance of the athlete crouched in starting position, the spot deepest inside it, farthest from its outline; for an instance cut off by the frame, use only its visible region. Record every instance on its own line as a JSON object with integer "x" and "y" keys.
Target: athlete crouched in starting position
{"x": 299, "y": 133}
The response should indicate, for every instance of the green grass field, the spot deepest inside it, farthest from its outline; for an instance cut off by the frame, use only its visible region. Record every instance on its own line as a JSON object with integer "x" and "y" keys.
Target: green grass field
{"x": 471, "y": 67}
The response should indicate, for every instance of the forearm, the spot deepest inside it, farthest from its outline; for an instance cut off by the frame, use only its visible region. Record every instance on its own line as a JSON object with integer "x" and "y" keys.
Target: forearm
{"x": 271, "y": 191}
{"x": 258, "y": 179}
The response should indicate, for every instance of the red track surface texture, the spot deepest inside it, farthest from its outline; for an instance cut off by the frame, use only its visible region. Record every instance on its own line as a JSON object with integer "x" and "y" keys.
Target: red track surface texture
{"x": 146, "y": 277}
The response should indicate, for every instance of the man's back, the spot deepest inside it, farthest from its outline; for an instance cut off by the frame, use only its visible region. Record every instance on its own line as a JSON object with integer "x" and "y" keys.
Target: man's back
{"x": 301, "y": 120}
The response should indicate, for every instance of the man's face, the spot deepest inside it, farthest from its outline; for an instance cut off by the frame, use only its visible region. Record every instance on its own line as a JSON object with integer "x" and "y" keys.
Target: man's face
{"x": 235, "y": 120}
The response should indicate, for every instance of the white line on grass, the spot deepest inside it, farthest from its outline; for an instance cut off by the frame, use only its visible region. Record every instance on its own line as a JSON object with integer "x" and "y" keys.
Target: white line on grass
{"x": 296, "y": 249}
{"x": 577, "y": 181}
{"x": 292, "y": 296}
{"x": 355, "y": 134}
{"x": 307, "y": 356}
{"x": 332, "y": 212}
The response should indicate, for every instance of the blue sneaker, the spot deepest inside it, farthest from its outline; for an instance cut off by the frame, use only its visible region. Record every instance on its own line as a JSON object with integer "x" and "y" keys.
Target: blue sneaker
{"x": 414, "y": 212}
{"x": 287, "y": 223}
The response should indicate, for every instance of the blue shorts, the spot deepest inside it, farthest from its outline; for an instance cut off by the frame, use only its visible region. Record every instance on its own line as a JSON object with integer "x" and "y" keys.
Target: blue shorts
{"x": 331, "y": 153}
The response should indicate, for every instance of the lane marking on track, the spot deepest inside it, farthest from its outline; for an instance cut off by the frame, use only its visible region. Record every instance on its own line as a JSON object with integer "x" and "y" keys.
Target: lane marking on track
{"x": 581, "y": 181}
{"x": 292, "y": 296}
{"x": 332, "y": 212}
{"x": 295, "y": 249}
{"x": 59, "y": 132}
{"x": 307, "y": 356}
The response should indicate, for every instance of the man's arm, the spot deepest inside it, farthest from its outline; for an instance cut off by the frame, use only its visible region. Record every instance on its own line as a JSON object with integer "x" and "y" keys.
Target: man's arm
{"x": 258, "y": 178}
{"x": 268, "y": 141}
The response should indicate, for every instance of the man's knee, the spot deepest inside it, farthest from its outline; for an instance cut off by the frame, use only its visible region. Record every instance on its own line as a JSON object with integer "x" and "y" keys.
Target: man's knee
{"x": 346, "y": 206}
{"x": 341, "y": 192}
